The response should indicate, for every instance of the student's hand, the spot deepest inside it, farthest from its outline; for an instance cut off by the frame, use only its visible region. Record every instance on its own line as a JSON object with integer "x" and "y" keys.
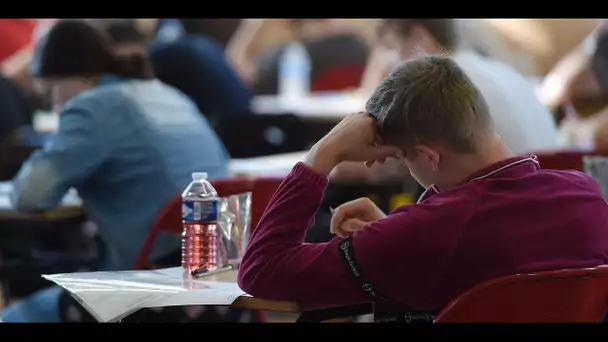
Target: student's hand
{"x": 352, "y": 216}
{"x": 354, "y": 139}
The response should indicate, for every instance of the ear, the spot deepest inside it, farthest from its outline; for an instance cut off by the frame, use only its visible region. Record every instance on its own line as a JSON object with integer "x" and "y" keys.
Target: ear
{"x": 430, "y": 155}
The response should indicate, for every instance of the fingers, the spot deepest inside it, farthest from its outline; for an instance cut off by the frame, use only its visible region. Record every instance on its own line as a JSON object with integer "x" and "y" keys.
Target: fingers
{"x": 339, "y": 215}
{"x": 379, "y": 154}
{"x": 352, "y": 225}
{"x": 349, "y": 227}
{"x": 358, "y": 208}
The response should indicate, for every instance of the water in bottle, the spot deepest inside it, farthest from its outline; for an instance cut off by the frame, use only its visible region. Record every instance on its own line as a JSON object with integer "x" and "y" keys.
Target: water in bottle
{"x": 294, "y": 72}
{"x": 201, "y": 235}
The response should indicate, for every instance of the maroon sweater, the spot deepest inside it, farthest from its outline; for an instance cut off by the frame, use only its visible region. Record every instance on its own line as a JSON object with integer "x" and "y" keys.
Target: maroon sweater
{"x": 506, "y": 219}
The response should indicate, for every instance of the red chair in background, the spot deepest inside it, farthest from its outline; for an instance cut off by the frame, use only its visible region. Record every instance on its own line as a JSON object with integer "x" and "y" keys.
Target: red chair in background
{"x": 574, "y": 295}
{"x": 339, "y": 78}
{"x": 565, "y": 160}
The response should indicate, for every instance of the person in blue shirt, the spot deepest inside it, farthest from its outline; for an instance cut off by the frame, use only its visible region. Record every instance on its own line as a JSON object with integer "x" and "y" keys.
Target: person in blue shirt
{"x": 126, "y": 142}
{"x": 197, "y": 65}
{"x": 194, "y": 63}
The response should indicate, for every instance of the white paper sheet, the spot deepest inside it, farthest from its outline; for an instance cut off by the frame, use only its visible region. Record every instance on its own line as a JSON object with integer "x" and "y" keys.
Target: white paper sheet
{"x": 111, "y": 296}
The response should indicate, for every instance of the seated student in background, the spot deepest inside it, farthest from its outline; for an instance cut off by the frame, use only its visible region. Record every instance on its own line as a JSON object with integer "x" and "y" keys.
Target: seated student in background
{"x": 197, "y": 65}
{"x": 583, "y": 74}
{"x": 328, "y": 44}
{"x": 127, "y": 143}
{"x": 194, "y": 64}
{"x": 486, "y": 212}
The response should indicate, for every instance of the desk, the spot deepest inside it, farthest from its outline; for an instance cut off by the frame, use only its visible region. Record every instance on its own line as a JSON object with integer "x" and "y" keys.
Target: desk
{"x": 277, "y": 165}
{"x": 321, "y": 106}
{"x": 111, "y": 296}
{"x": 71, "y": 207}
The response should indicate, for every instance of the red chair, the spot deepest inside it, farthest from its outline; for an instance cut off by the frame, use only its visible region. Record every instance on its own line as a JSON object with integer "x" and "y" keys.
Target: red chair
{"x": 565, "y": 160}
{"x": 575, "y": 295}
{"x": 339, "y": 78}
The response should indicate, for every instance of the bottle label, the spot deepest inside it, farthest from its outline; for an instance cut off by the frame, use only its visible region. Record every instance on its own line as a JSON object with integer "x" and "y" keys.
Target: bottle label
{"x": 200, "y": 211}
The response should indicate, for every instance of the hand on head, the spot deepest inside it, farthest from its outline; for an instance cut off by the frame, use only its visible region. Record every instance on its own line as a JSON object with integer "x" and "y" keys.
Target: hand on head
{"x": 352, "y": 216}
{"x": 354, "y": 139}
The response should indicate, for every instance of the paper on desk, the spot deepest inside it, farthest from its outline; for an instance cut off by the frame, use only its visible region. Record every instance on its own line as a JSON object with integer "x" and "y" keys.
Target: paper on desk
{"x": 71, "y": 199}
{"x": 111, "y": 296}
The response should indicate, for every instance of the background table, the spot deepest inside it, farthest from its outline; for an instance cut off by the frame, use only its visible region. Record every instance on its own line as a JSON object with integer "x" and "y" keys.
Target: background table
{"x": 71, "y": 207}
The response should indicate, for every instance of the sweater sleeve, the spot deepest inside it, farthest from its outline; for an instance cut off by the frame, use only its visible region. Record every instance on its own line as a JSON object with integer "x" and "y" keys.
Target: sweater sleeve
{"x": 279, "y": 265}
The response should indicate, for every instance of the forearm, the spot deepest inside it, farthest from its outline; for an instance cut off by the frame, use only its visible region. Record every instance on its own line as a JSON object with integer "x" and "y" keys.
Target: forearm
{"x": 240, "y": 46}
{"x": 36, "y": 186}
{"x": 278, "y": 265}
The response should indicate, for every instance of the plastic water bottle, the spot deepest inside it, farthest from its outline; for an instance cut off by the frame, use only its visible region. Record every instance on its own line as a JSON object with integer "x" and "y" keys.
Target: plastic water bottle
{"x": 201, "y": 234}
{"x": 294, "y": 72}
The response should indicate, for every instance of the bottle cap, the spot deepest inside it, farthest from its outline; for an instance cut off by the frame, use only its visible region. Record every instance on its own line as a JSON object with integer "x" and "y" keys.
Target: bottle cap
{"x": 199, "y": 175}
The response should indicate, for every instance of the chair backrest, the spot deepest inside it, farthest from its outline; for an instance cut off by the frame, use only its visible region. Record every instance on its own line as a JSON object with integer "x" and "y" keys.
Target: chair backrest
{"x": 338, "y": 78}
{"x": 170, "y": 218}
{"x": 572, "y": 295}
{"x": 565, "y": 160}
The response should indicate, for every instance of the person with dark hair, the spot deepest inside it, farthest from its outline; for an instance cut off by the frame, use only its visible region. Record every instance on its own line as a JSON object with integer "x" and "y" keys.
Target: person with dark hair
{"x": 219, "y": 30}
{"x": 195, "y": 64}
{"x": 486, "y": 213}
{"x": 126, "y": 142}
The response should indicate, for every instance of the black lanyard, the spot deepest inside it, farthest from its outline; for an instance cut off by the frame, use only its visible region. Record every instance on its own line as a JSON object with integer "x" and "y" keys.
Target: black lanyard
{"x": 403, "y": 316}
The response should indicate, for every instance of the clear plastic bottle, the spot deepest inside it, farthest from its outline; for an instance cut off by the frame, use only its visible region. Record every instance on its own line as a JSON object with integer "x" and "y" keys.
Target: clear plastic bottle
{"x": 201, "y": 235}
{"x": 294, "y": 72}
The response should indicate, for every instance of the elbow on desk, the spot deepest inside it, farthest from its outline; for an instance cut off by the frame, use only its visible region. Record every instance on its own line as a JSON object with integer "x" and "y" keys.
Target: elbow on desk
{"x": 258, "y": 281}
{"x": 249, "y": 282}
{"x": 26, "y": 201}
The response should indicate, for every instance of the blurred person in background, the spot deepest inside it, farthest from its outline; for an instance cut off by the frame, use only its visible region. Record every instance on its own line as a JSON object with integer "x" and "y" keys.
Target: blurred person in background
{"x": 580, "y": 73}
{"x": 219, "y": 30}
{"x": 126, "y": 142}
{"x": 195, "y": 64}
{"x": 579, "y": 77}
{"x": 328, "y": 41}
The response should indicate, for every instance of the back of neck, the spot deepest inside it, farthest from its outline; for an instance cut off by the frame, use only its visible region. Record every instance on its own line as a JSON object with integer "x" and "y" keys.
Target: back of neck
{"x": 491, "y": 150}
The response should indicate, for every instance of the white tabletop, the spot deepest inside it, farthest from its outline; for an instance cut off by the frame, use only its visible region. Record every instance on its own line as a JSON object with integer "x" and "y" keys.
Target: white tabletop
{"x": 277, "y": 165}
{"x": 317, "y": 106}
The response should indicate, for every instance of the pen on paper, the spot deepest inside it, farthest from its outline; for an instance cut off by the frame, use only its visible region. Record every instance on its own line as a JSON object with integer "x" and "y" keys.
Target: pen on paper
{"x": 204, "y": 272}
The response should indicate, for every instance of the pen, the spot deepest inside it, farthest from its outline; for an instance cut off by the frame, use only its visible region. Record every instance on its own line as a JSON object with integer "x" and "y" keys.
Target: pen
{"x": 202, "y": 272}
